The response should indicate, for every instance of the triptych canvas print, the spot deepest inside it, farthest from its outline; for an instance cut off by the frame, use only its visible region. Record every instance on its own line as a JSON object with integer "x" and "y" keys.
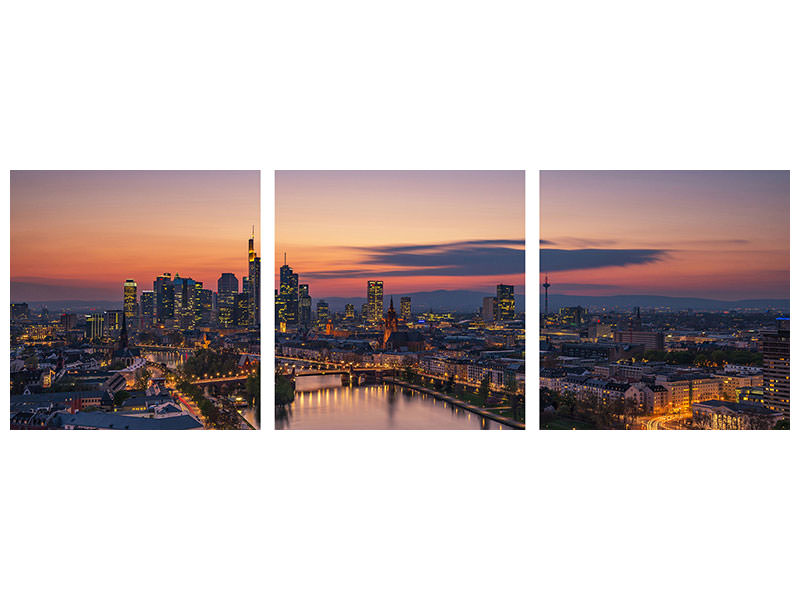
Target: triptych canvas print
{"x": 399, "y": 300}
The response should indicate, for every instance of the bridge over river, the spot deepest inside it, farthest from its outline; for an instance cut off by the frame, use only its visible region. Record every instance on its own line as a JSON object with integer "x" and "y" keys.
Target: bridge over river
{"x": 313, "y": 368}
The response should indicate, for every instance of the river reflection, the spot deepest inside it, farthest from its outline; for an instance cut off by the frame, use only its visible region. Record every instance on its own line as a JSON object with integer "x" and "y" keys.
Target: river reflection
{"x": 249, "y": 415}
{"x": 321, "y": 402}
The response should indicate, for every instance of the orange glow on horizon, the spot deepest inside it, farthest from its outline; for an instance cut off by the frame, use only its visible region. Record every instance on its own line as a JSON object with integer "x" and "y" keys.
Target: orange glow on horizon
{"x": 89, "y": 231}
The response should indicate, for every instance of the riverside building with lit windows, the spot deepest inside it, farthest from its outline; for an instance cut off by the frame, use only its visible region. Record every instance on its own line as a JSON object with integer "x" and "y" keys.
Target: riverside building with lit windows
{"x": 718, "y": 414}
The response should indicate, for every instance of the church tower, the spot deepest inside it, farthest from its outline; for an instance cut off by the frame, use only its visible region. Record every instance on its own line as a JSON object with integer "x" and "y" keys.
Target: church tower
{"x": 390, "y": 323}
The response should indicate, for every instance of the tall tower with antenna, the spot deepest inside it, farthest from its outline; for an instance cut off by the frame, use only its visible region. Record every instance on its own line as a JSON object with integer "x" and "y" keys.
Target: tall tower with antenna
{"x": 546, "y": 286}
{"x": 254, "y": 280}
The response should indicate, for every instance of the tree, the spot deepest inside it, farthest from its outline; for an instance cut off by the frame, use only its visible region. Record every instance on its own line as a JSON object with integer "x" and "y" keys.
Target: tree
{"x": 483, "y": 391}
{"x": 284, "y": 391}
{"x": 516, "y": 404}
{"x": 120, "y": 397}
{"x": 142, "y": 378}
{"x": 782, "y": 424}
{"x": 547, "y": 397}
{"x": 253, "y": 387}
{"x": 566, "y": 404}
{"x": 510, "y": 382}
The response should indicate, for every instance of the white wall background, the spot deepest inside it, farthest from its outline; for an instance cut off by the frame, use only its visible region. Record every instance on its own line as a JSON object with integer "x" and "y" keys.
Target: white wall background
{"x": 363, "y": 85}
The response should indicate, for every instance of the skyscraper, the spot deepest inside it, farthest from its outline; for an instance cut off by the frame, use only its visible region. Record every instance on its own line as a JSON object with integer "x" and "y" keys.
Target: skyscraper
{"x": 405, "y": 308}
{"x": 254, "y": 281}
{"x": 182, "y": 287}
{"x": 68, "y": 321}
{"x": 280, "y": 311}
{"x": 375, "y": 301}
{"x": 129, "y": 298}
{"x": 113, "y": 321}
{"x": 289, "y": 294}
{"x": 323, "y": 312}
{"x": 349, "y": 312}
{"x": 94, "y": 326}
{"x": 506, "y": 309}
{"x": 227, "y": 284}
{"x": 164, "y": 297}
{"x": 147, "y": 308}
{"x": 304, "y": 305}
{"x": 227, "y": 288}
{"x": 775, "y": 348}
{"x": 241, "y": 310}
{"x": 489, "y": 309}
{"x": 205, "y": 304}
{"x": 19, "y": 311}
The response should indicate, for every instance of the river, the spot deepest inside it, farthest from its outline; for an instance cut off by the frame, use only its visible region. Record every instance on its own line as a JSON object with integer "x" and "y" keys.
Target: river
{"x": 322, "y": 402}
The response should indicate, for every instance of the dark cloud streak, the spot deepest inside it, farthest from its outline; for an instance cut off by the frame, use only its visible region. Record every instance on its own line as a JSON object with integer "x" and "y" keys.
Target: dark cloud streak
{"x": 552, "y": 259}
{"x": 467, "y": 258}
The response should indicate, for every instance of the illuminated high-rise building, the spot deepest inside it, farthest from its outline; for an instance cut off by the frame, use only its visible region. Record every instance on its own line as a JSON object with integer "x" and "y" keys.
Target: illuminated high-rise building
{"x": 164, "y": 297}
{"x": 254, "y": 282}
{"x": 68, "y": 321}
{"x": 241, "y": 310}
{"x": 227, "y": 284}
{"x": 365, "y": 312}
{"x": 304, "y": 305}
{"x": 375, "y": 301}
{"x": 506, "y": 307}
{"x": 147, "y": 308}
{"x": 95, "y": 328}
{"x": 129, "y": 298}
{"x": 489, "y": 309}
{"x": 405, "y": 308}
{"x": 227, "y": 288}
{"x": 113, "y": 321}
{"x": 181, "y": 308}
{"x": 19, "y": 311}
{"x": 349, "y": 312}
{"x": 775, "y": 349}
{"x": 289, "y": 293}
{"x": 323, "y": 312}
{"x": 280, "y": 311}
{"x": 205, "y": 301}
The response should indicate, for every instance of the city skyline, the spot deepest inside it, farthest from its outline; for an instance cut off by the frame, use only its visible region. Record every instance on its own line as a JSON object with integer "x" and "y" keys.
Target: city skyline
{"x": 721, "y": 235}
{"x": 183, "y": 222}
{"x": 422, "y": 231}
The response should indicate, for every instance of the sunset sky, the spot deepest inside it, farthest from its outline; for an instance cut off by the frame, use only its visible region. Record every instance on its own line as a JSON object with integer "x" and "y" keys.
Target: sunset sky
{"x": 77, "y": 235}
{"x": 415, "y": 230}
{"x": 712, "y": 234}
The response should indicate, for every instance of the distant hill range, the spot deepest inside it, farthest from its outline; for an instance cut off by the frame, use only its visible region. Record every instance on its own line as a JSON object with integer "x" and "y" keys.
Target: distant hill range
{"x": 76, "y": 306}
{"x": 557, "y": 301}
{"x": 466, "y": 301}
